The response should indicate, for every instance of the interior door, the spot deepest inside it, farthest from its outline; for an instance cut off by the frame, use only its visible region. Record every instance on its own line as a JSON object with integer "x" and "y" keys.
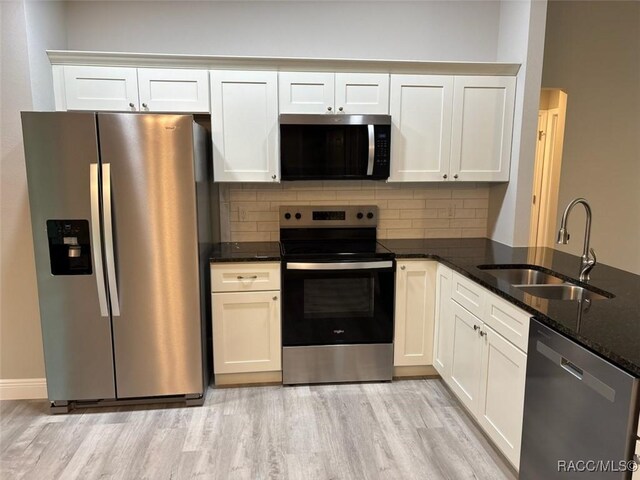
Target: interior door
{"x": 155, "y": 292}
{"x": 61, "y": 152}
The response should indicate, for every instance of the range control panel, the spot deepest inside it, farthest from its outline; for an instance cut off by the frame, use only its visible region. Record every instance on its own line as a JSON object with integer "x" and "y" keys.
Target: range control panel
{"x": 306, "y": 216}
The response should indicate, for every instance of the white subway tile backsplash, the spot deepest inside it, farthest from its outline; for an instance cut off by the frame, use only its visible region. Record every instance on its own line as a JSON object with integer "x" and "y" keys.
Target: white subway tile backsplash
{"x": 250, "y": 211}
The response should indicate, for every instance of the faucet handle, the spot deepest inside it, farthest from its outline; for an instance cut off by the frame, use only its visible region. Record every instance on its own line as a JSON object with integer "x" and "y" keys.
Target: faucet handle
{"x": 593, "y": 259}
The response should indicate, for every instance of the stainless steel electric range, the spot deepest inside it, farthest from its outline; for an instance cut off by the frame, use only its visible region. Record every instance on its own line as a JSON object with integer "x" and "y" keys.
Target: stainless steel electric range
{"x": 338, "y": 296}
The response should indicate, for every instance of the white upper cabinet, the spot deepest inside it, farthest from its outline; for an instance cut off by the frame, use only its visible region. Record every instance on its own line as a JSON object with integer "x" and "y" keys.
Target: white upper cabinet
{"x": 362, "y": 93}
{"x": 97, "y": 88}
{"x": 354, "y": 93}
{"x": 244, "y": 125}
{"x": 306, "y": 92}
{"x": 131, "y": 89}
{"x": 414, "y": 316}
{"x": 482, "y": 128}
{"x": 421, "y": 127}
{"x": 175, "y": 90}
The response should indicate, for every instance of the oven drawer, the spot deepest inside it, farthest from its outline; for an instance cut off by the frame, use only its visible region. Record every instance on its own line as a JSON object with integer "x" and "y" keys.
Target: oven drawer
{"x": 245, "y": 277}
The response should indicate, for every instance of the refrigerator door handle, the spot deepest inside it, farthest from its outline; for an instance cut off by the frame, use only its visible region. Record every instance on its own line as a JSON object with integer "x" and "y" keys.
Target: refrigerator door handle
{"x": 108, "y": 240}
{"x": 96, "y": 242}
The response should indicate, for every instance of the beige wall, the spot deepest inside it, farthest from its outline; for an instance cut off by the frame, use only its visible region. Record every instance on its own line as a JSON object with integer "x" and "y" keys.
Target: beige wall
{"x": 592, "y": 52}
{"x": 250, "y": 211}
{"x": 20, "y": 340}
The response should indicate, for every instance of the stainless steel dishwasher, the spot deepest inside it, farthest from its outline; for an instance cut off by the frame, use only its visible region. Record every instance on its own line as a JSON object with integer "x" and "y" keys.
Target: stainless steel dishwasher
{"x": 580, "y": 412}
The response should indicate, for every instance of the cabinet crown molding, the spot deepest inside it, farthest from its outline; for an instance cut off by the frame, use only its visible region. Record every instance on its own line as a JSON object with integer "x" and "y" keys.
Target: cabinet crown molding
{"x": 163, "y": 60}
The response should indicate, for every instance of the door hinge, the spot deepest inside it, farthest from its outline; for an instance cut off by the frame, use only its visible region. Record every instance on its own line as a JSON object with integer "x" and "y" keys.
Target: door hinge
{"x": 534, "y": 199}
{"x": 541, "y": 134}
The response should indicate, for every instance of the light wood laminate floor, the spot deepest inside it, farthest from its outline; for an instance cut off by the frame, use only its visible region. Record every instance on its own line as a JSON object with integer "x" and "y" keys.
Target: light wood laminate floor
{"x": 410, "y": 429}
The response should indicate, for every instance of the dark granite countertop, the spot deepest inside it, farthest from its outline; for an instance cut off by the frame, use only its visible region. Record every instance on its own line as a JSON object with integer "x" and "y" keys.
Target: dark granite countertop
{"x": 245, "y": 252}
{"x": 610, "y": 328}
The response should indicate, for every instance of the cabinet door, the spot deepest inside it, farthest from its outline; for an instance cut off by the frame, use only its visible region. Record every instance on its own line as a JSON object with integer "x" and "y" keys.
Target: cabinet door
{"x": 414, "y": 318}
{"x": 482, "y": 128}
{"x": 467, "y": 356}
{"x": 101, "y": 88}
{"x": 501, "y": 404}
{"x": 246, "y": 332}
{"x": 362, "y": 93}
{"x": 421, "y": 127}
{"x": 244, "y": 125}
{"x": 443, "y": 344}
{"x": 306, "y": 92}
{"x": 173, "y": 90}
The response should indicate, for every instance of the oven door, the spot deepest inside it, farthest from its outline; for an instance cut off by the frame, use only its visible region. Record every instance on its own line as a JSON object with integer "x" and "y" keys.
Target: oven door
{"x": 338, "y": 303}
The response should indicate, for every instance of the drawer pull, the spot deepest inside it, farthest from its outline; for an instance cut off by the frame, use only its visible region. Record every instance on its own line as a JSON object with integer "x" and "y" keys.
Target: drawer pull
{"x": 252, "y": 277}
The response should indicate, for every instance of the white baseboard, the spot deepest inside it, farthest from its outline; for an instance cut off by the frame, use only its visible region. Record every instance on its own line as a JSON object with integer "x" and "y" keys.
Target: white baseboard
{"x": 23, "y": 388}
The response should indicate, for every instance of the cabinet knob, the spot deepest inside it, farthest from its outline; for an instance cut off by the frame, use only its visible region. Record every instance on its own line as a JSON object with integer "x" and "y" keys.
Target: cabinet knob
{"x": 329, "y": 109}
{"x": 483, "y": 334}
{"x": 476, "y": 327}
{"x": 341, "y": 109}
{"x": 445, "y": 176}
{"x": 403, "y": 267}
{"x": 145, "y": 105}
{"x": 275, "y": 298}
{"x": 455, "y": 176}
{"x": 273, "y": 177}
{"x": 132, "y": 105}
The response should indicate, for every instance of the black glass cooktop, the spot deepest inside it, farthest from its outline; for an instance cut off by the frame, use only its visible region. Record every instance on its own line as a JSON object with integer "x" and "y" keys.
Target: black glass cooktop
{"x": 334, "y": 248}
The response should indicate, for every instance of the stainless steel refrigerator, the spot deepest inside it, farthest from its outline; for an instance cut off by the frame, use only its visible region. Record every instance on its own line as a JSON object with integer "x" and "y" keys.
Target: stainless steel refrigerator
{"x": 120, "y": 210}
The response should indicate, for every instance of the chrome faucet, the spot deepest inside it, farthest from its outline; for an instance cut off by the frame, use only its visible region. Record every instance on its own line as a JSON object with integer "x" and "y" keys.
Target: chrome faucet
{"x": 588, "y": 254}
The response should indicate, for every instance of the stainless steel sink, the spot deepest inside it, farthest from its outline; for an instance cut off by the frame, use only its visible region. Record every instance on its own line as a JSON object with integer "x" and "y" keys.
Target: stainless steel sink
{"x": 522, "y": 276}
{"x": 565, "y": 291}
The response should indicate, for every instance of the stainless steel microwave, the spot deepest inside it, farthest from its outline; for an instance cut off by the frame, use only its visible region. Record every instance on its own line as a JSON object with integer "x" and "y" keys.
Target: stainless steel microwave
{"x": 335, "y": 147}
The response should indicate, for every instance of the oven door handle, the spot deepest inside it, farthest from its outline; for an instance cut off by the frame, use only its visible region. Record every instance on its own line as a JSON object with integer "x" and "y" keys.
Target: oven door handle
{"x": 340, "y": 265}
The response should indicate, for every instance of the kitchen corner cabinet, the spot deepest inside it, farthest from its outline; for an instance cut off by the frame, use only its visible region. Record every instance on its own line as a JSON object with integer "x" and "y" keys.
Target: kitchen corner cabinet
{"x": 451, "y": 128}
{"x": 443, "y": 333}
{"x": 131, "y": 89}
{"x": 325, "y": 92}
{"x": 246, "y": 318}
{"x": 487, "y": 369}
{"x": 244, "y": 126}
{"x": 414, "y": 312}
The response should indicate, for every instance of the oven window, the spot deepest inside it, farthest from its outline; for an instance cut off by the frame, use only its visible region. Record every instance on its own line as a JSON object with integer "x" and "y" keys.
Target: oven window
{"x": 337, "y": 298}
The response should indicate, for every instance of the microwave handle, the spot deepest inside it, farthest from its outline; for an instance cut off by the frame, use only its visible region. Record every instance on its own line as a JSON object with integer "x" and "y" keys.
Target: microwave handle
{"x": 372, "y": 149}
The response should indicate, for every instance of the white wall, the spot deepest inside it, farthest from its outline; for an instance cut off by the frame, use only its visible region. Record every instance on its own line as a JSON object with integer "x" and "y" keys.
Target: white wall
{"x": 431, "y": 30}
{"x": 20, "y": 340}
{"x": 592, "y": 52}
{"x": 521, "y": 40}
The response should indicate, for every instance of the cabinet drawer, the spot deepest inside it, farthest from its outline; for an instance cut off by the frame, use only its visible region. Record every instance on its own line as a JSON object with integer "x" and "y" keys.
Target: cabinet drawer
{"x": 508, "y": 320}
{"x": 245, "y": 277}
{"x": 468, "y": 294}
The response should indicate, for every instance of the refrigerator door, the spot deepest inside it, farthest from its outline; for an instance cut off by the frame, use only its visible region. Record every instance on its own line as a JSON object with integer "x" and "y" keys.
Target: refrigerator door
{"x": 150, "y": 218}
{"x": 61, "y": 153}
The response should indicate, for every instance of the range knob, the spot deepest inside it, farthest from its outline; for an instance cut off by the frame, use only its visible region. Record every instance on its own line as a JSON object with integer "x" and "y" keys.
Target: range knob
{"x": 287, "y": 215}
{"x": 370, "y": 215}
{"x": 359, "y": 215}
{"x": 298, "y": 216}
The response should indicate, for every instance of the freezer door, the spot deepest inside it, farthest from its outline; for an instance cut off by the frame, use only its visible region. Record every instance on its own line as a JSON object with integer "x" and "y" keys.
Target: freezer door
{"x": 150, "y": 217}
{"x": 61, "y": 153}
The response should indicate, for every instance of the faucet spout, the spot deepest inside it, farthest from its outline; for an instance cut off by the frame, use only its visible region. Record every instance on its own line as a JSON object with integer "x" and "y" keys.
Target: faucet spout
{"x": 588, "y": 254}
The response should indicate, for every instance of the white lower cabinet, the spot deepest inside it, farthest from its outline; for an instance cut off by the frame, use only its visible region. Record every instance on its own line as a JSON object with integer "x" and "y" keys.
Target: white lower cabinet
{"x": 246, "y": 322}
{"x": 246, "y": 332}
{"x": 465, "y": 360}
{"x": 484, "y": 368}
{"x": 500, "y": 410}
{"x": 443, "y": 334}
{"x": 414, "y": 315}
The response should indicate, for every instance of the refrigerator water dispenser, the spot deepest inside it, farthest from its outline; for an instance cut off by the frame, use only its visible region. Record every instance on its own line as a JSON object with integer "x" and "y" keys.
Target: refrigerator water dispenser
{"x": 69, "y": 247}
